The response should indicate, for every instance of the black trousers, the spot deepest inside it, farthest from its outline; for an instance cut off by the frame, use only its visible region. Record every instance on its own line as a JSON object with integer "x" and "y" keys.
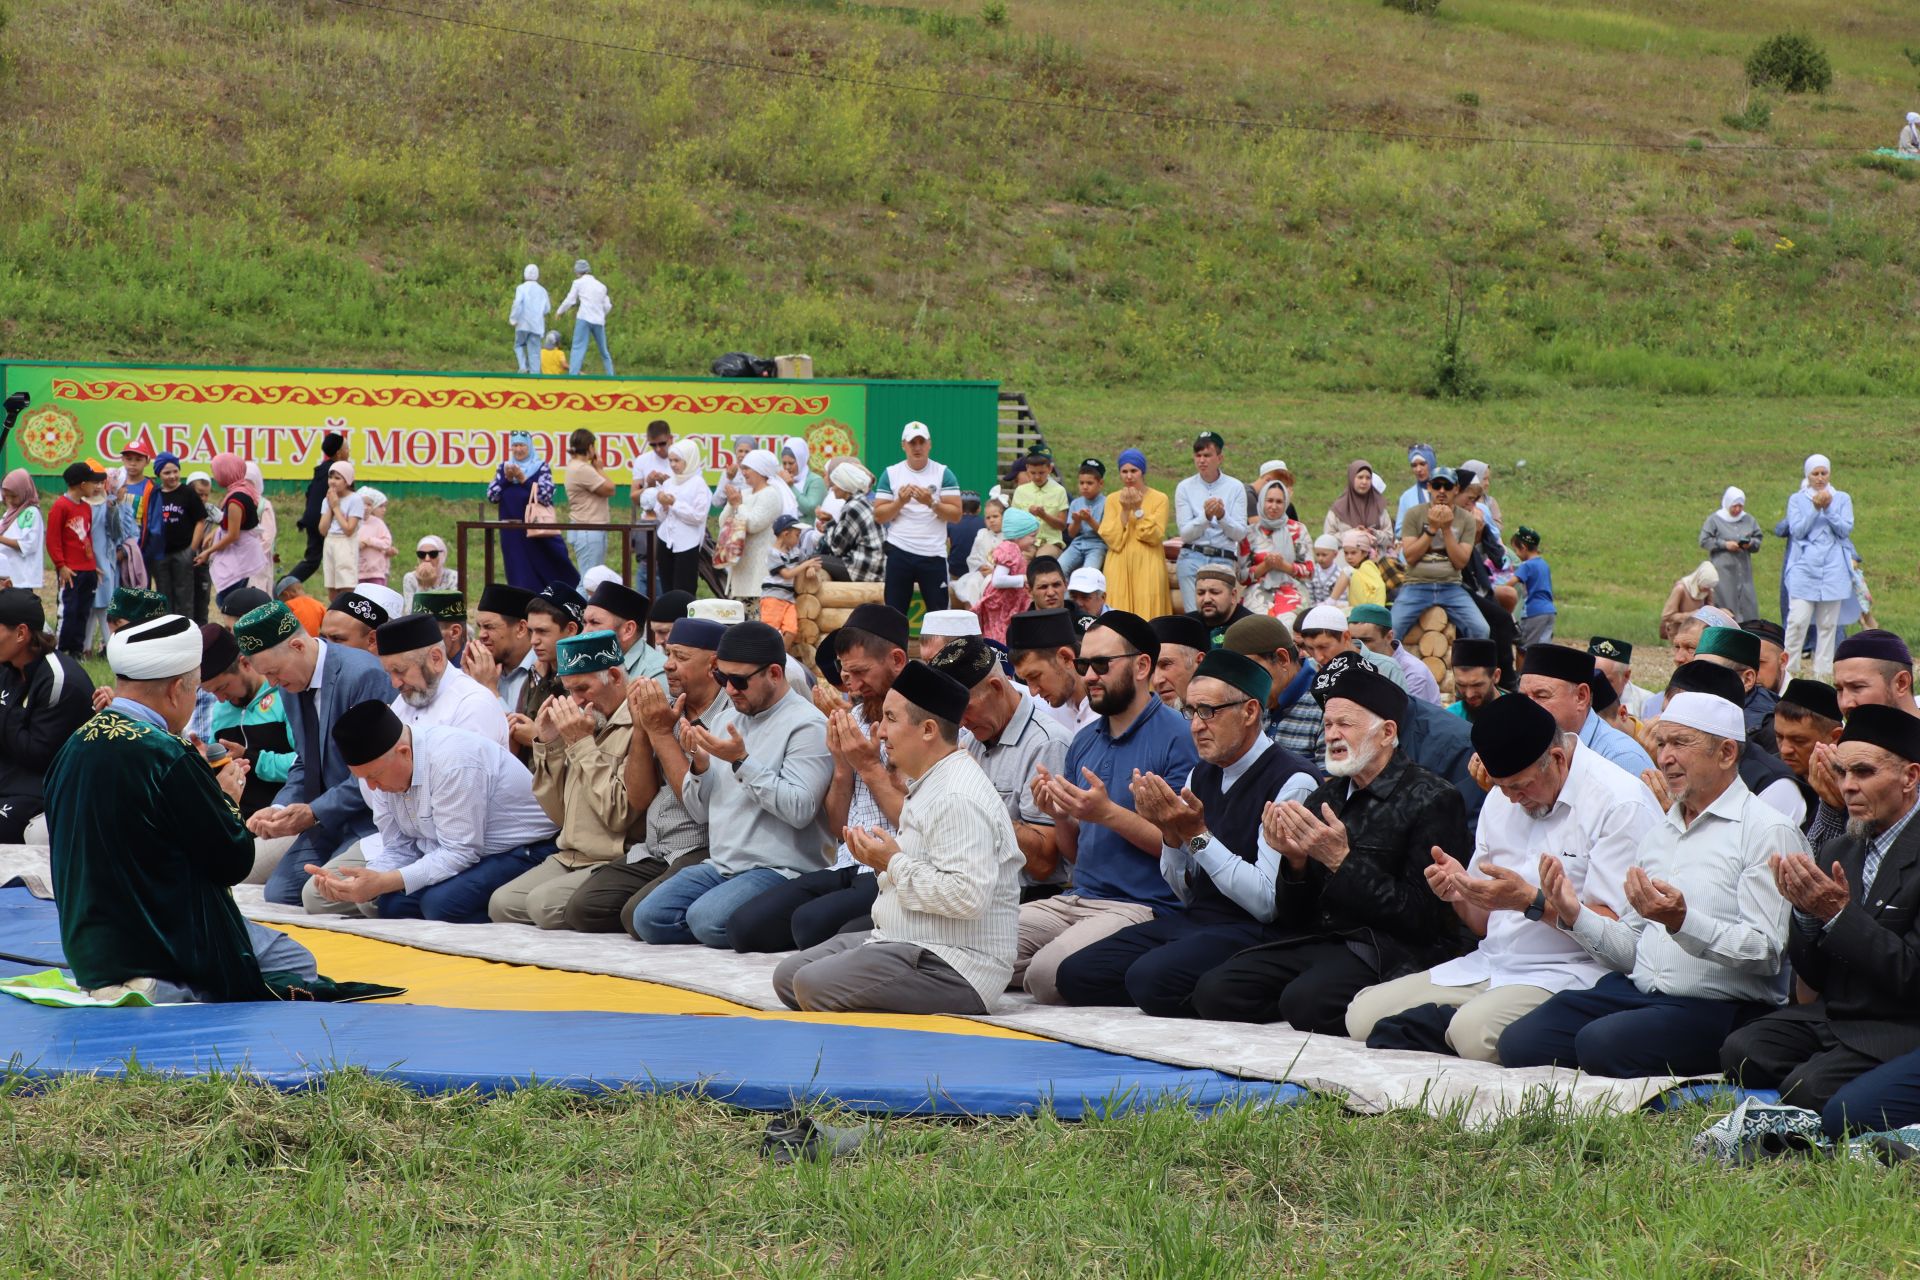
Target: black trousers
{"x": 1307, "y": 985}
{"x": 805, "y": 911}
{"x": 905, "y": 570}
{"x": 605, "y": 903}
{"x": 1154, "y": 965}
{"x": 1795, "y": 1051}
{"x": 310, "y": 560}
{"x": 15, "y": 813}
{"x": 76, "y": 604}
{"x": 679, "y": 570}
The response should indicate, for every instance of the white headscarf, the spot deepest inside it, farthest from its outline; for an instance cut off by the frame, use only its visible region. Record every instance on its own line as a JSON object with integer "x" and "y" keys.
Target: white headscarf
{"x": 1703, "y": 579}
{"x": 531, "y": 273}
{"x": 801, "y": 454}
{"x": 850, "y": 477}
{"x": 1732, "y": 495}
{"x": 766, "y": 464}
{"x": 688, "y": 451}
{"x": 1815, "y": 460}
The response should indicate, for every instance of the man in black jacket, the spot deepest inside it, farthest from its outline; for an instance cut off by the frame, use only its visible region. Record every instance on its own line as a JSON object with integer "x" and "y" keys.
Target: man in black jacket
{"x": 333, "y": 448}
{"x": 1855, "y": 937}
{"x": 44, "y": 697}
{"x": 1352, "y": 906}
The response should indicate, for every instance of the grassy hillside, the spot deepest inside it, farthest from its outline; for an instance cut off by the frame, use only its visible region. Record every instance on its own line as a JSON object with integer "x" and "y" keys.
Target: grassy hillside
{"x": 319, "y": 182}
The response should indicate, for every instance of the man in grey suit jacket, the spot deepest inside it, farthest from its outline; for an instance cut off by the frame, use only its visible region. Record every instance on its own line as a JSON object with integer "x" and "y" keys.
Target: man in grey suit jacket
{"x": 321, "y": 804}
{"x": 1856, "y": 932}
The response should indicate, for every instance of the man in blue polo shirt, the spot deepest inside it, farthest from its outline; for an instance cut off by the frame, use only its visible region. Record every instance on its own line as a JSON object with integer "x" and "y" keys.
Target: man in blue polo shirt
{"x": 1115, "y": 852}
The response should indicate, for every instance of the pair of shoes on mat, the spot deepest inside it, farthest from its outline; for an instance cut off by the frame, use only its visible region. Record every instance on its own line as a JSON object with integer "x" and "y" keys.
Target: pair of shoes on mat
{"x": 793, "y": 1136}
{"x": 1896, "y": 1146}
{"x": 1757, "y": 1131}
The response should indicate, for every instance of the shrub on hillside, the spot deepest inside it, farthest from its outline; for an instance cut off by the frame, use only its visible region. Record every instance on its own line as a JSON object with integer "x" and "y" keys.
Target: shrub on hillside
{"x": 1792, "y": 62}
{"x": 1427, "y": 7}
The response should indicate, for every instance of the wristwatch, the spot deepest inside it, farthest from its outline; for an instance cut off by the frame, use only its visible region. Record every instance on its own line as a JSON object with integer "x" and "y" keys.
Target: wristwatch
{"x": 1538, "y": 907}
{"x": 1198, "y": 844}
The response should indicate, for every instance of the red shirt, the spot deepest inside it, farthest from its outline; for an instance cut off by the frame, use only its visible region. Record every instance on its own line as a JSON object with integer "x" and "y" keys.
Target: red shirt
{"x": 70, "y": 534}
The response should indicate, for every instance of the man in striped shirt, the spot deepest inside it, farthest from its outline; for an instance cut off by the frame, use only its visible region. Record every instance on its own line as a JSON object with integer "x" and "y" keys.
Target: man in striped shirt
{"x": 947, "y": 918}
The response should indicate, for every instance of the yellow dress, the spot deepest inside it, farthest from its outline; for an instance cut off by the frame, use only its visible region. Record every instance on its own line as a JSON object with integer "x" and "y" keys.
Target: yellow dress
{"x": 1136, "y": 566}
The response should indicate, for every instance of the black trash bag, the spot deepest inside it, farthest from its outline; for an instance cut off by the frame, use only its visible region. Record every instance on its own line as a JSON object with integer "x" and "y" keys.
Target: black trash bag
{"x": 738, "y": 364}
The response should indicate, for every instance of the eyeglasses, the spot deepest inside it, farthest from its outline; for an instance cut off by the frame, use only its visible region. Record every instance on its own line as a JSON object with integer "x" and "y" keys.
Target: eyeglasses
{"x": 1440, "y": 486}
{"x": 1099, "y": 665}
{"x": 1205, "y": 711}
{"x": 426, "y": 555}
{"x": 740, "y": 682}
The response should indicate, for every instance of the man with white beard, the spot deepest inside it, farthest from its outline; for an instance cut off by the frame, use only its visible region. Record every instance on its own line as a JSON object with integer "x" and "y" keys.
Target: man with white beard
{"x": 430, "y": 689}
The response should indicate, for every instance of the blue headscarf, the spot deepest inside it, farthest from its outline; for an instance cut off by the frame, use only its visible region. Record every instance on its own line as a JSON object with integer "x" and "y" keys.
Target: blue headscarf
{"x": 160, "y": 460}
{"x": 520, "y": 437}
{"x": 1018, "y": 524}
{"x": 1134, "y": 456}
{"x": 1422, "y": 451}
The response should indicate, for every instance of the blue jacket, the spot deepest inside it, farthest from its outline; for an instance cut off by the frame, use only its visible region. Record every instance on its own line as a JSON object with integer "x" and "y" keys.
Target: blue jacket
{"x": 349, "y": 677}
{"x": 1821, "y": 569}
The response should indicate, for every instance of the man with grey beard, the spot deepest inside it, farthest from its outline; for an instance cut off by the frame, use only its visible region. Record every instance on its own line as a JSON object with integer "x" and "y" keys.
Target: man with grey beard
{"x": 430, "y": 689}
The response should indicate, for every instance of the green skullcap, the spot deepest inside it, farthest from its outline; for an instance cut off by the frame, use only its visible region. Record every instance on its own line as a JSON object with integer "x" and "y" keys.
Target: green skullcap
{"x": 447, "y": 606}
{"x": 586, "y": 653}
{"x": 263, "y": 628}
{"x": 135, "y": 604}
{"x": 1730, "y": 643}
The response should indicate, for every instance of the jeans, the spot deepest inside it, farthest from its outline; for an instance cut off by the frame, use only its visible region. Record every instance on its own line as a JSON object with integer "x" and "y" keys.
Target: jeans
{"x": 696, "y": 904}
{"x": 589, "y": 547}
{"x": 905, "y": 570}
{"x": 1824, "y": 617}
{"x": 1192, "y": 561}
{"x": 462, "y": 899}
{"x": 76, "y": 604}
{"x": 1091, "y": 554}
{"x": 1416, "y": 598}
{"x": 526, "y": 350}
{"x": 582, "y": 330}
{"x": 277, "y": 953}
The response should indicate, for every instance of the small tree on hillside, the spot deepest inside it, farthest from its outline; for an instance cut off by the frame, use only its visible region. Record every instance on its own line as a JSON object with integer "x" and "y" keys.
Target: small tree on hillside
{"x": 1794, "y": 63}
{"x": 1427, "y": 7}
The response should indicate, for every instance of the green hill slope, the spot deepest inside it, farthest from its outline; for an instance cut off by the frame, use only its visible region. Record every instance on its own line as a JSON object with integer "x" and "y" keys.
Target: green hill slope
{"x": 320, "y": 182}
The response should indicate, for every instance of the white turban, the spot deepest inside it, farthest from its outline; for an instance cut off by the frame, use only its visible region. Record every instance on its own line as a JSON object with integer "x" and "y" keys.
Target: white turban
{"x": 851, "y": 477}
{"x": 763, "y": 462}
{"x": 593, "y": 577}
{"x": 158, "y": 650}
{"x": 1706, "y": 712}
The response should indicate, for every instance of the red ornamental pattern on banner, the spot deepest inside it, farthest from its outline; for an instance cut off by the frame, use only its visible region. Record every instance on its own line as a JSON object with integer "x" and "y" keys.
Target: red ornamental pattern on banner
{"x": 413, "y": 397}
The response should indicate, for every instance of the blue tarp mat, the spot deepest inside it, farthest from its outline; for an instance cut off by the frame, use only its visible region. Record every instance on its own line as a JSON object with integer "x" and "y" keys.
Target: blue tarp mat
{"x": 746, "y": 1062}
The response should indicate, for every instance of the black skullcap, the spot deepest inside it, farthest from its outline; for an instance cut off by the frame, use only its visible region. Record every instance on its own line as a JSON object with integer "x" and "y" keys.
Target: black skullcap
{"x": 218, "y": 651}
{"x": 697, "y": 633}
{"x": 968, "y": 659}
{"x": 567, "y": 598}
{"x": 1510, "y": 734}
{"x": 1767, "y": 629}
{"x": 1888, "y": 728}
{"x": 1875, "y": 643}
{"x": 882, "y": 621}
{"x": 1708, "y": 677}
{"x": 1476, "y": 653}
{"x": 1609, "y": 648}
{"x": 407, "y": 633}
{"x": 1132, "y": 628}
{"x": 670, "y": 607}
{"x": 932, "y": 691}
{"x": 1603, "y": 694}
{"x": 753, "y": 642}
{"x": 1179, "y": 628}
{"x": 239, "y": 601}
{"x": 360, "y": 608}
{"x": 365, "y": 732}
{"x": 1359, "y": 683}
{"x": 1559, "y": 662}
{"x": 20, "y": 607}
{"x": 1238, "y": 671}
{"x": 1814, "y": 696}
{"x": 507, "y": 602}
{"x": 621, "y": 601}
{"x": 1041, "y": 629}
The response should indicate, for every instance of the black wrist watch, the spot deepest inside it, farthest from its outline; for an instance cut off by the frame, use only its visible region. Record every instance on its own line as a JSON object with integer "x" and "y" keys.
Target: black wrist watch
{"x": 1538, "y": 907}
{"x": 1198, "y": 845}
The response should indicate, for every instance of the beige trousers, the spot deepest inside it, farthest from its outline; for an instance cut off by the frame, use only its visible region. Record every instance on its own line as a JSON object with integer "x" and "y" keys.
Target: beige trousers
{"x": 1483, "y": 1011}
{"x": 539, "y": 897}
{"x": 1054, "y": 928}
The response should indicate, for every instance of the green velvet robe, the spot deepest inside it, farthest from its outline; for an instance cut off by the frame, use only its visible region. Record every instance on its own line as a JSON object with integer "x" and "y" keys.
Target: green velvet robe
{"x": 146, "y": 849}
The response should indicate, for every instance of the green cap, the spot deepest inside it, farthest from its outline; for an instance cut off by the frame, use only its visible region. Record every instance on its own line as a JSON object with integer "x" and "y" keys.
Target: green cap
{"x": 1376, "y": 614}
{"x": 586, "y": 653}
{"x": 1235, "y": 669}
{"x": 136, "y": 604}
{"x": 447, "y": 606}
{"x": 1730, "y": 643}
{"x": 263, "y": 628}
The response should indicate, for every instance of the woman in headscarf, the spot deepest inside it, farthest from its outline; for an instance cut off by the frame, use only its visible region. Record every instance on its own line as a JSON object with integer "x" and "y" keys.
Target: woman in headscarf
{"x": 520, "y": 481}
{"x": 235, "y": 557}
{"x": 1690, "y": 592}
{"x": 23, "y": 532}
{"x": 1820, "y": 580}
{"x": 1730, "y": 536}
{"x": 1361, "y": 506}
{"x": 268, "y": 531}
{"x": 1281, "y": 554}
{"x": 680, "y": 502}
{"x": 809, "y": 490}
{"x": 1909, "y": 144}
{"x": 753, "y": 517}
{"x": 1135, "y": 531}
{"x": 852, "y": 547}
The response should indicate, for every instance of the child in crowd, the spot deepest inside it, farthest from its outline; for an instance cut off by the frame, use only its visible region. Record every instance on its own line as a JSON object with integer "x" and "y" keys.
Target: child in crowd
{"x": 340, "y": 515}
{"x": 376, "y": 540}
{"x": 1085, "y": 546}
{"x": 202, "y": 485}
{"x": 778, "y": 607}
{"x": 1278, "y": 556}
{"x": 1533, "y": 573}
{"x": 1862, "y": 594}
{"x": 1329, "y": 579}
{"x": 70, "y": 546}
{"x": 1365, "y": 583}
{"x": 552, "y": 359}
{"x": 1005, "y": 592}
{"x": 968, "y": 586}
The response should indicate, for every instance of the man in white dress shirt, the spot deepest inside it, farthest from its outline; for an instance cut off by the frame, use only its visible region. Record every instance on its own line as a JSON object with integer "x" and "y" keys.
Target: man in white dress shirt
{"x": 429, "y": 689}
{"x": 1550, "y": 795}
{"x": 455, "y": 815}
{"x": 1210, "y": 509}
{"x": 1700, "y": 947}
{"x": 591, "y": 297}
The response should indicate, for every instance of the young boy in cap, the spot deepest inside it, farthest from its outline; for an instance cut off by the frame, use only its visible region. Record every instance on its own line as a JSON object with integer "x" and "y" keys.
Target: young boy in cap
{"x": 1085, "y": 547}
{"x": 777, "y": 598}
{"x": 1538, "y": 614}
{"x": 70, "y": 547}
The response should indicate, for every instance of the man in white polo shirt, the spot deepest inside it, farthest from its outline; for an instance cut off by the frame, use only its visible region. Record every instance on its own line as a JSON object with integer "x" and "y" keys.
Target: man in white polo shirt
{"x": 915, "y": 501}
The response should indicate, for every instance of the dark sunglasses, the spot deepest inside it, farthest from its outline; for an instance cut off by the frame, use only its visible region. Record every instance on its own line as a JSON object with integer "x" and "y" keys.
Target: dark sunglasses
{"x": 740, "y": 682}
{"x": 1099, "y": 665}
{"x": 1208, "y": 710}
{"x": 426, "y": 555}
{"x": 1441, "y": 485}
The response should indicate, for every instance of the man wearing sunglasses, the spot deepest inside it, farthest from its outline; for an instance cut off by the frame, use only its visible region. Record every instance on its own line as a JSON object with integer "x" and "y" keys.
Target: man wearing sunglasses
{"x": 758, "y": 779}
{"x": 1212, "y": 854}
{"x": 1115, "y": 851}
{"x": 1437, "y": 539}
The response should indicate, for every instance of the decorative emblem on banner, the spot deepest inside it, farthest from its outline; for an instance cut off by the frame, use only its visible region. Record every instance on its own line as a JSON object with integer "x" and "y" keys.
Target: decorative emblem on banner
{"x": 828, "y": 442}
{"x": 50, "y": 436}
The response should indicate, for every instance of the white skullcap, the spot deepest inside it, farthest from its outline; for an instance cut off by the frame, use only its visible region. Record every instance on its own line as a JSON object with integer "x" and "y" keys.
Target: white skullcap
{"x": 1087, "y": 579}
{"x": 592, "y": 578}
{"x": 1707, "y": 713}
{"x": 725, "y": 612}
{"x": 763, "y": 462}
{"x": 198, "y": 476}
{"x": 1324, "y": 617}
{"x": 1326, "y": 542}
{"x": 384, "y": 596}
{"x": 950, "y": 622}
{"x": 158, "y": 650}
{"x": 851, "y": 477}
{"x": 532, "y": 272}
{"x": 1272, "y": 465}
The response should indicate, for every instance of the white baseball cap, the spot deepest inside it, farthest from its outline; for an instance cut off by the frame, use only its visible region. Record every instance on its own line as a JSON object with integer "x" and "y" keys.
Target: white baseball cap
{"x": 915, "y": 431}
{"x": 1324, "y": 617}
{"x": 950, "y": 622}
{"x": 1086, "y": 580}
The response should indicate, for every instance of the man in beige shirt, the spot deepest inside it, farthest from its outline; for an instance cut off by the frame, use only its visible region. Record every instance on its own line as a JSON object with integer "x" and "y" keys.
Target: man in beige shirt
{"x": 580, "y": 745}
